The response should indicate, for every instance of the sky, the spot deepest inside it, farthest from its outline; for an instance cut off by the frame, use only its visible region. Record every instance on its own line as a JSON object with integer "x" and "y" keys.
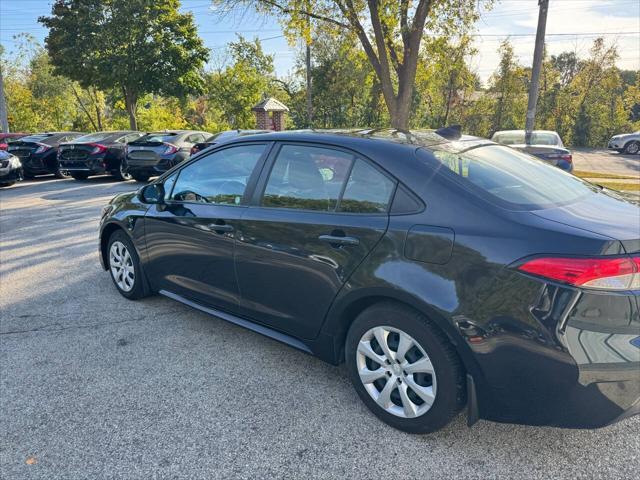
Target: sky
{"x": 572, "y": 25}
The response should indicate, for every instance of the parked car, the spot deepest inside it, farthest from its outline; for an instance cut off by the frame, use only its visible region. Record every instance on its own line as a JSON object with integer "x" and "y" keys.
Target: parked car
{"x": 444, "y": 271}
{"x": 157, "y": 152}
{"x": 625, "y": 143}
{"x": 223, "y": 137}
{"x": 545, "y": 145}
{"x": 7, "y": 138}
{"x": 10, "y": 169}
{"x": 39, "y": 152}
{"x": 97, "y": 154}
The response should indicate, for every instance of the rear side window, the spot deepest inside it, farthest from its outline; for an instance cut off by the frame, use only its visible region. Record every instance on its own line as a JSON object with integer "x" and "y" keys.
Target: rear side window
{"x": 367, "y": 191}
{"x": 219, "y": 178}
{"x": 307, "y": 178}
{"x": 515, "y": 179}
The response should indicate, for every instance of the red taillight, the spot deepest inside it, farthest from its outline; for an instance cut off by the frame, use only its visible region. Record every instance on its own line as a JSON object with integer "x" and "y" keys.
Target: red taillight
{"x": 194, "y": 149}
{"x": 97, "y": 148}
{"x": 42, "y": 148}
{"x": 618, "y": 273}
{"x": 171, "y": 148}
{"x": 567, "y": 158}
{"x": 3, "y": 146}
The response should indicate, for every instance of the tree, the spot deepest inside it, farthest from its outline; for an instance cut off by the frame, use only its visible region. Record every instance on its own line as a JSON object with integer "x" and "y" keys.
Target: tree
{"x": 508, "y": 85}
{"x": 136, "y": 46}
{"x": 389, "y": 31}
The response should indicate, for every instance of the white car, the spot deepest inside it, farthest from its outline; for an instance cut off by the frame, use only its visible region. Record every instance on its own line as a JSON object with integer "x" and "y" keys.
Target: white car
{"x": 627, "y": 143}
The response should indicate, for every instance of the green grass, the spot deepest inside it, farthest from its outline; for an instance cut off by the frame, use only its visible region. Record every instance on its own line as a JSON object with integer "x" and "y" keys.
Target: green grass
{"x": 585, "y": 174}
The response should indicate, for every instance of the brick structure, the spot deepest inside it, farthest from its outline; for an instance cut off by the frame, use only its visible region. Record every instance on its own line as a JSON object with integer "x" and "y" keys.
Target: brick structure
{"x": 270, "y": 114}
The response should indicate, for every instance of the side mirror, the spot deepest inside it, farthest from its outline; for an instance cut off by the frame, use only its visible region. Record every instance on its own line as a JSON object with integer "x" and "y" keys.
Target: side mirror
{"x": 152, "y": 193}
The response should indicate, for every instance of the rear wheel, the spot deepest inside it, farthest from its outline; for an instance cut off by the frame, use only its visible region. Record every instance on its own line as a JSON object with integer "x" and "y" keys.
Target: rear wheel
{"x": 140, "y": 177}
{"x": 80, "y": 175}
{"x": 632, "y": 148}
{"x": 404, "y": 368}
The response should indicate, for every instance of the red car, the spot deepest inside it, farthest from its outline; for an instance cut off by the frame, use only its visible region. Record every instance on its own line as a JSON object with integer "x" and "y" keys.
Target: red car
{"x": 7, "y": 138}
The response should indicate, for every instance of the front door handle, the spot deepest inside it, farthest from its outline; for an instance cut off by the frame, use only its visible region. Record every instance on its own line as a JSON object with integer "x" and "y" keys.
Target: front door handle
{"x": 339, "y": 240}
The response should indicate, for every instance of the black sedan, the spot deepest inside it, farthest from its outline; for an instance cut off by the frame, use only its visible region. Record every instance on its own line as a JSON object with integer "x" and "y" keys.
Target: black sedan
{"x": 157, "y": 152}
{"x": 223, "y": 137}
{"x": 39, "y": 152}
{"x": 444, "y": 271}
{"x": 10, "y": 169}
{"x": 97, "y": 154}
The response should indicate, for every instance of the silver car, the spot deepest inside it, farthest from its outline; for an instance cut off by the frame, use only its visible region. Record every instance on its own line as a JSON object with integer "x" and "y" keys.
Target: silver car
{"x": 545, "y": 144}
{"x": 625, "y": 143}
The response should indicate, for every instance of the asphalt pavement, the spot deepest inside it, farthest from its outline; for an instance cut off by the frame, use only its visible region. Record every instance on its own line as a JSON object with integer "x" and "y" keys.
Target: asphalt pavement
{"x": 93, "y": 386}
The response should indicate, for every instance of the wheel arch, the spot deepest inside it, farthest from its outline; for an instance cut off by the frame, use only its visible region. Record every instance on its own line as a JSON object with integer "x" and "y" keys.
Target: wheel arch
{"x": 105, "y": 235}
{"x": 345, "y": 311}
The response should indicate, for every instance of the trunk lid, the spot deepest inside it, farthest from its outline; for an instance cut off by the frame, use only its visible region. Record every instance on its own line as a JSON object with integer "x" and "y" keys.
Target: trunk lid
{"x": 550, "y": 154}
{"x": 75, "y": 152}
{"x": 606, "y": 213}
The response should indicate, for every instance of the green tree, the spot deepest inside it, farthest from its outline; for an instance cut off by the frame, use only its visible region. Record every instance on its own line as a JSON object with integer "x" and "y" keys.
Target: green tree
{"x": 135, "y": 46}
{"x": 508, "y": 87}
{"x": 390, "y": 33}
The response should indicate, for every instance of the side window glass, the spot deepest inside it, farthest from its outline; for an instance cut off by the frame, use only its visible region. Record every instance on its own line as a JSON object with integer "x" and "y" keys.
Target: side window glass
{"x": 307, "y": 178}
{"x": 169, "y": 182}
{"x": 219, "y": 178}
{"x": 368, "y": 190}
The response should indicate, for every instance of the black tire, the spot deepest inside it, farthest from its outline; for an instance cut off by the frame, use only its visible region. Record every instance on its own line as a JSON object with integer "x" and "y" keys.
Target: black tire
{"x": 58, "y": 174}
{"x": 80, "y": 176}
{"x": 120, "y": 173}
{"x": 450, "y": 395}
{"x": 140, "y": 288}
{"x": 6, "y": 184}
{"x": 140, "y": 177}
{"x": 632, "y": 148}
{"x": 29, "y": 176}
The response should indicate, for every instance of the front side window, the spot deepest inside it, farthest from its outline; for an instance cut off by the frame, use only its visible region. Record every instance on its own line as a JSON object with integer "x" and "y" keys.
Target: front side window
{"x": 513, "y": 178}
{"x": 307, "y": 178}
{"x": 219, "y": 178}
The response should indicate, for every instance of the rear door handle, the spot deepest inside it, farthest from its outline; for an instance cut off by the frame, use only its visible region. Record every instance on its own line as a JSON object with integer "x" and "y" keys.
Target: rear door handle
{"x": 339, "y": 240}
{"x": 220, "y": 228}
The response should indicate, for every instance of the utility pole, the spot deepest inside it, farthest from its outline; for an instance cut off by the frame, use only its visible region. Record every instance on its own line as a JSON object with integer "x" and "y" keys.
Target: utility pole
{"x": 309, "y": 93}
{"x": 535, "y": 70}
{"x": 4, "y": 122}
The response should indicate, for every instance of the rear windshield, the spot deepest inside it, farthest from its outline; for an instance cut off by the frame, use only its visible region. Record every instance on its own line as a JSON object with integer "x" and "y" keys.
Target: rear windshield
{"x": 157, "y": 137}
{"x": 517, "y": 138}
{"x": 511, "y": 178}
{"x": 36, "y": 138}
{"x": 93, "y": 137}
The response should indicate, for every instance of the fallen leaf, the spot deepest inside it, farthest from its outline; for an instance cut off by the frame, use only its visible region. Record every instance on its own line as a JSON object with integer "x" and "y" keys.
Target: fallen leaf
{"x": 31, "y": 460}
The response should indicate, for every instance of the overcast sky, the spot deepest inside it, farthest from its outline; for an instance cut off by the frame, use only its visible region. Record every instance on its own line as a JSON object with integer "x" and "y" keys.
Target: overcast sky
{"x": 579, "y": 22}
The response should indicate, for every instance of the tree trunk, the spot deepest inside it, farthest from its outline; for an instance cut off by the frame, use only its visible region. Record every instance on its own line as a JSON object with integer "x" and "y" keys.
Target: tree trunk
{"x": 131, "y": 103}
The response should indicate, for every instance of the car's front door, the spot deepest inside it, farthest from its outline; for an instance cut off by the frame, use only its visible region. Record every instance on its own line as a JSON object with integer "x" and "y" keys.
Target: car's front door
{"x": 190, "y": 237}
{"x": 316, "y": 213}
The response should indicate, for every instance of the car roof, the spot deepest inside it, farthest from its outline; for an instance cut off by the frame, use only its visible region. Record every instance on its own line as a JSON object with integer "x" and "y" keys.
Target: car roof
{"x": 522, "y": 131}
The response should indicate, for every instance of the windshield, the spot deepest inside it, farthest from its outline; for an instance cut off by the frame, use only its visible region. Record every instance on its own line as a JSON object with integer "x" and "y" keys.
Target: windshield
{"x": 514, "y": 179}
{"x": 157, "y": 137}
{"x": 517, "y": 138}
{"x": 92, "y": 137}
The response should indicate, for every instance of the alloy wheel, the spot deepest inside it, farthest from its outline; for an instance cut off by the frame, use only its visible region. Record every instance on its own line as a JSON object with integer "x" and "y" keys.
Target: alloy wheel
{"x": 123, "y": 172}
{"x": 121, "y": 265}
{"x": 633, "y": 148}
{"x": 396, "y": 372}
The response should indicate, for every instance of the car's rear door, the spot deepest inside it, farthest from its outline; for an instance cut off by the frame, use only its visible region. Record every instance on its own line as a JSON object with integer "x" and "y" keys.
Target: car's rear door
{"x": 317, "y": 212}
{"x": 190, "y": 237}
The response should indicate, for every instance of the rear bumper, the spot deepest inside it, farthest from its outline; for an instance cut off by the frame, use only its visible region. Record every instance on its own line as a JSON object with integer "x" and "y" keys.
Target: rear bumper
{"x": 557, "y": 356}
{"x": 153, "y": 167}
{"x": 94, "y": 166}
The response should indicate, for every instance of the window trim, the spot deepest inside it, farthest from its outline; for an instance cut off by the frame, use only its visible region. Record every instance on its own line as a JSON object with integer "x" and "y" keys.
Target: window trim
{"x": 249, "y": 189}
{"x": 258, "y": 194}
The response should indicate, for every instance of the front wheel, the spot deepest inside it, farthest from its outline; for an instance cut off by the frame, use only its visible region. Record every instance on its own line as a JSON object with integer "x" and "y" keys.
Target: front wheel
{"x": 60, "y": 174}
{"x": 404, "y": 368}
{"x": 632, "y": 148}
{"x": 124, "y": 266}
{"x": 80, "y": 176}
{"x": 121, "y": 173}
